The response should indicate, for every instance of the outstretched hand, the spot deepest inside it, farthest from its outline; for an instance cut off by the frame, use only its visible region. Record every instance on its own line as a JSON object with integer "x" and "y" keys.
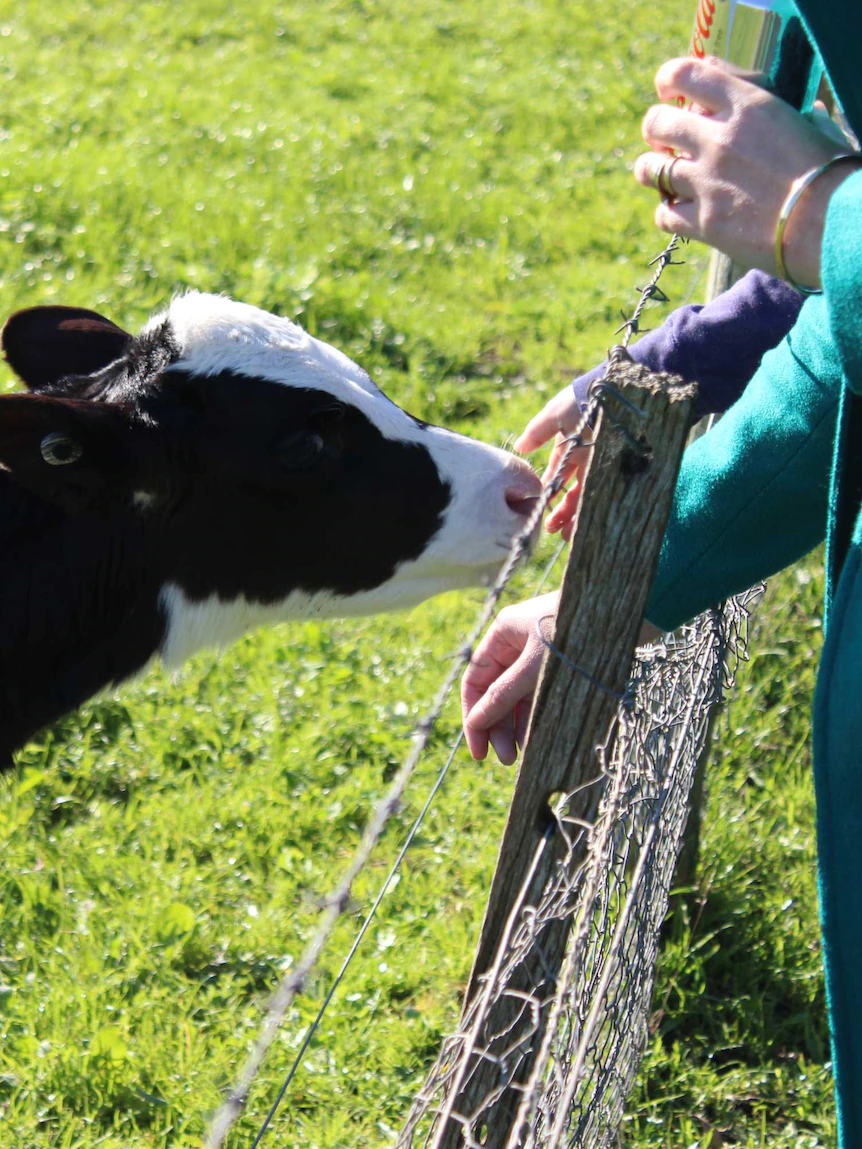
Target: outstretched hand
{"x": 499, "y": 683}
{"x": 561, "y": 416}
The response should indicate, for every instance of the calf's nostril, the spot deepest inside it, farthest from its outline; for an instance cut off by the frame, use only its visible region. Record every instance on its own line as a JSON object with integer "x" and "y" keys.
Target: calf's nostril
{"x": 521, "y": 501}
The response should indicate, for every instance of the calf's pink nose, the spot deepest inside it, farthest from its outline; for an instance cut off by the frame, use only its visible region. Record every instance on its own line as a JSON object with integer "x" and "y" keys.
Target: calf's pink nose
{"x": 521, "y": 493}
{"x": 520, "y": 503}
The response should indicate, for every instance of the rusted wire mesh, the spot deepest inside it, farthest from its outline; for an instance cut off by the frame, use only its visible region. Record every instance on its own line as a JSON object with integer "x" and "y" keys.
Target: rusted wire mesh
{"x": 611, "y": 889}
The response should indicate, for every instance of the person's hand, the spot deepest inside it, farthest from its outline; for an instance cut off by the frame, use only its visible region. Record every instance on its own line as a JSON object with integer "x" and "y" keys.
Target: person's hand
{"x": 560, "y": 416}
{"x": 498, "y": 685}
{"x": 736, "y": 156}
{"x": 820, "y": 119}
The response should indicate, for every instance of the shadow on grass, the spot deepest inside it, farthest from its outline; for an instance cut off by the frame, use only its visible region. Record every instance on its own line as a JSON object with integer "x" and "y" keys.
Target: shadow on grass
{"x": 729, "y": 986}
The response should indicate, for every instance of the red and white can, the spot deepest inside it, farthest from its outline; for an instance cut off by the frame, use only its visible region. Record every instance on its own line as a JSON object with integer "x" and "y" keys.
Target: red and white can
{"x": 745, "y": 32}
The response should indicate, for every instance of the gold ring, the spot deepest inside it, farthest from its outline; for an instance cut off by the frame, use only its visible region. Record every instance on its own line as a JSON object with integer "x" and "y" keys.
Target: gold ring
{"x": 655, "y": 172}
{"x": 664, "y": 181}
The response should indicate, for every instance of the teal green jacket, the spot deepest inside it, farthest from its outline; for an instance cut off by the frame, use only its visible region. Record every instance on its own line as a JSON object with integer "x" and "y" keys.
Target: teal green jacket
{"x": 781, "y": 471}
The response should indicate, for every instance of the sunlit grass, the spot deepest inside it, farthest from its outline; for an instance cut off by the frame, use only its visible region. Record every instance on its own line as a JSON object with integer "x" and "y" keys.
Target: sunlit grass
{"x": 440, "y": 188}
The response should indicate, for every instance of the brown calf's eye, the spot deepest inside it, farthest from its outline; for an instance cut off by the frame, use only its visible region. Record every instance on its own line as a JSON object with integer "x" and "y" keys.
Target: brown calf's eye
{"x": 59, "y": 449}
{"x": 300, "y": 450}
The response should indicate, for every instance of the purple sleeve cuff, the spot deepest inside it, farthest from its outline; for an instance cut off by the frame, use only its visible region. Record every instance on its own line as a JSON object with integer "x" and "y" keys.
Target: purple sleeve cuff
{"x": 719, "y": 344}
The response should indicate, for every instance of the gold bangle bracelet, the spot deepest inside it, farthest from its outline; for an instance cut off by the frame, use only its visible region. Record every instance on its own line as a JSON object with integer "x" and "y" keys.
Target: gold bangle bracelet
{"x": 797, "y": 190}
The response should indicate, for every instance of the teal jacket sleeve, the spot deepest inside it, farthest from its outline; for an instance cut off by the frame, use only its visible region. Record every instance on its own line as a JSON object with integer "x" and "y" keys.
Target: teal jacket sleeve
{"x": 752, "y": 495}
{"x": 841, "y": 270}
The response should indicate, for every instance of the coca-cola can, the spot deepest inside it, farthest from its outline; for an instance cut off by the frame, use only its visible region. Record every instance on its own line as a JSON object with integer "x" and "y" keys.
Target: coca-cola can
{"x": 744, "y": 32}
{"x": 761, "y": 36}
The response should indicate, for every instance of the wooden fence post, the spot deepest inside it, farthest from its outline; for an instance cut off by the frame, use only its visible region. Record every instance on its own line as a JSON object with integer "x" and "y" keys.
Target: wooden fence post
{"x": 629, "y": 488}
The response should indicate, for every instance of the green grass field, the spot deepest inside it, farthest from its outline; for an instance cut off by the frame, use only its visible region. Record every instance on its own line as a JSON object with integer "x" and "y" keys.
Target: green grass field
{"x": 441, "y": 189}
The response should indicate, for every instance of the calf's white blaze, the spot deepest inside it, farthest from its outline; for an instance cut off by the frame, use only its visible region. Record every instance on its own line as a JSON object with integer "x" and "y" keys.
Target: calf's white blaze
{"x": 214, "y": 335}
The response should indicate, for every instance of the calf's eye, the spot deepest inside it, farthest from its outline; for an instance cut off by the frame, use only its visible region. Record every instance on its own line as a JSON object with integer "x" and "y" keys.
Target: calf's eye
{"x": 59, "y": 449}
{"x": 300, "y": 450}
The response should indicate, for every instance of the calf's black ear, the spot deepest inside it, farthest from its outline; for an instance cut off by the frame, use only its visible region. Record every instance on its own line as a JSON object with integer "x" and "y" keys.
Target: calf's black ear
{"x": 76, "y": 453}
{"x": 44, "y": 344}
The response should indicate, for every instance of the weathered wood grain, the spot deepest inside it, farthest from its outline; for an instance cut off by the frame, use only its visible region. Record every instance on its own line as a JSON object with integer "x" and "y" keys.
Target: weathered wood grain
{"x": 605, "y": 592}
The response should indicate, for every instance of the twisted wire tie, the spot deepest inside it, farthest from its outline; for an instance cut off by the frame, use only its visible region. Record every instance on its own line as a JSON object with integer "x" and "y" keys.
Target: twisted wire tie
{"x": 621, "y": 696}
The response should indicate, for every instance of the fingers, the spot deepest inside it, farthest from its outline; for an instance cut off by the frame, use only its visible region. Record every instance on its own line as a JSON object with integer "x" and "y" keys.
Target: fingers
{"x": 494, "y": 718}
{"x": 562, "y": 414}
{"x": 699, "y": 93}
{"x": 560, "y": 417}
{"x": 675, "y": 130}
{"x": 497, "y": 701}
{"x": 509, "y": 736}
{"x": 564, "y": 513}
{"x": 665, "y": 174}
{"x": 490, "y": 660}
{"x": 699, "y": 81}
{"x": 537, "y": 432}
{"x": 576, "y": 458}
{"x": 477, "y": 742}
{"x": 502, "y": 738}
{"x": 498, "y": 684}
{"x": 678, "y": 217}
{"x": 484, "y": 668}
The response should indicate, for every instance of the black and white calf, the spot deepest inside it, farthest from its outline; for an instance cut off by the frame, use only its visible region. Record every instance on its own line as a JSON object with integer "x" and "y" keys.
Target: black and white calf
{"x": 169, "y": 491}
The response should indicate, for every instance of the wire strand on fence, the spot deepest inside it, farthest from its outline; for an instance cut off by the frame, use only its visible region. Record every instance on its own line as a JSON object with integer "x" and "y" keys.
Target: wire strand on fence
{"x": 384, "y": 888}
{"x": 336, "y": 903}
{"x": 557, "y": 653}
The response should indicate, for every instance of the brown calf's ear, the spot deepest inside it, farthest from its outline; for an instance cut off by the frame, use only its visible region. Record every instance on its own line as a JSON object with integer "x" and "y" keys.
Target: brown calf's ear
{"x": 72, "y": 452}
{"x": 44, "y": 344}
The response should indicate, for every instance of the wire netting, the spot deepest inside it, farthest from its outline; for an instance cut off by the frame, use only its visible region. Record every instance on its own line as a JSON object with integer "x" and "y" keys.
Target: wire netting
{"x": 563, "y": 1066}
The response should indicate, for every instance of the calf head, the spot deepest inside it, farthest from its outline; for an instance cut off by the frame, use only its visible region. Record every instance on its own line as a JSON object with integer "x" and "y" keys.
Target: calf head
{"x": 269, "y": 476}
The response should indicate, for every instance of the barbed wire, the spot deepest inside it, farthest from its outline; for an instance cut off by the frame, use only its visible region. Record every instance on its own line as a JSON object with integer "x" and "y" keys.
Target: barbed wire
{"x": 652, "y": 291}
{"x": 337, "y": 902}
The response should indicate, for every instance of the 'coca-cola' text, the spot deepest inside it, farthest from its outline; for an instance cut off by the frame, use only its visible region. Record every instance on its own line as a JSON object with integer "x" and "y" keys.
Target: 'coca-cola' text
{"x": 703, "y": 21}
